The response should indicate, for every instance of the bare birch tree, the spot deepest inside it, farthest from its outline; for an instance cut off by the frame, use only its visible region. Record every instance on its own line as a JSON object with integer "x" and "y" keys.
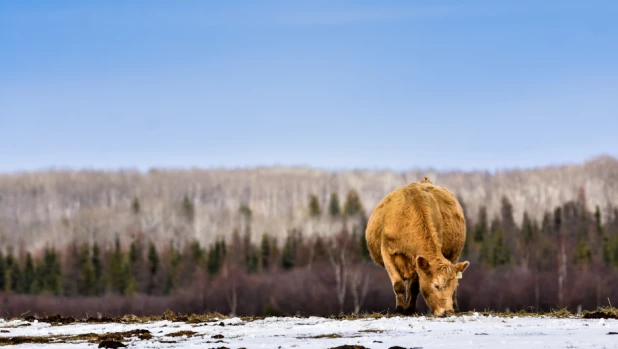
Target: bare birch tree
{"x": 232, "y": 298}
{"x": 359, "y": 285}
{"x": 340, "y": 260}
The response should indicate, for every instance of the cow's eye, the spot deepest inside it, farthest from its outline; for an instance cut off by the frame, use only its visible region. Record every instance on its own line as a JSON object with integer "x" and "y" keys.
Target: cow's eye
{"x": 436, "y": 286}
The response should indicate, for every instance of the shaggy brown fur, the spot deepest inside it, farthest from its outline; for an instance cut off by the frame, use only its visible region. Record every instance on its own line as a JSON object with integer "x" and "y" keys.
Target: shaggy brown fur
{"x": 417, "y": 233}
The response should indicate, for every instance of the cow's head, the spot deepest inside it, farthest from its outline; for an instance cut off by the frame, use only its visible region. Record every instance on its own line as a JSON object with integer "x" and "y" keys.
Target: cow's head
{"x": 438, "y": 279}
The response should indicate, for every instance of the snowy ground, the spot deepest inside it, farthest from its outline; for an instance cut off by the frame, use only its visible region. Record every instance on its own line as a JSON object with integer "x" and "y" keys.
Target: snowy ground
{"x": 473, "y": 331}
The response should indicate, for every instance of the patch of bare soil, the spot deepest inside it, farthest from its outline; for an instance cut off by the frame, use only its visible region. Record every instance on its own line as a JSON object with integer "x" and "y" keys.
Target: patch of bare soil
{"x": 111, "y": 344}
{"x": 57, "y": 320}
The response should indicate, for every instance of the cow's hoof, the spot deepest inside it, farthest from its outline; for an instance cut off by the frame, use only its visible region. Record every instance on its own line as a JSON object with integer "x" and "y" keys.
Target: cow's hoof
{"x": 409, "y": 311}
{"x": 403, "y": 311}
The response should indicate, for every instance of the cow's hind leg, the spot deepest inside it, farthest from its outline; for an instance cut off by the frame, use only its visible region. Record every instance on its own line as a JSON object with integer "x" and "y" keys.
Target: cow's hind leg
{"x": 396, "y": 281}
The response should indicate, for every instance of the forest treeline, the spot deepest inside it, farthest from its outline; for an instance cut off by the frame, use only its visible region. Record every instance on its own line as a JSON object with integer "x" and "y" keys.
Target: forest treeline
{"x": 58, "y": 206}
{"x": 567, "y": 259}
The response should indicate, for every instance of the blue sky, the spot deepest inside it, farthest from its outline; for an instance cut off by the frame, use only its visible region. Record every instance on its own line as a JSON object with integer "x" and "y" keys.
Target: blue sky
{"x": 332, "y": 84}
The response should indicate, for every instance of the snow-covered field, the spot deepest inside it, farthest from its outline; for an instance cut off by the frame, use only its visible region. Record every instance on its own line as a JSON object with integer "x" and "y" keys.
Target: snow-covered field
{"x": 470, "y": 331}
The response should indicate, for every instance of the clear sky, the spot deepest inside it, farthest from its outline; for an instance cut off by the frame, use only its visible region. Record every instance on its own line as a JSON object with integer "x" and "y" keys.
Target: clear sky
{"x": 332, "y": 84}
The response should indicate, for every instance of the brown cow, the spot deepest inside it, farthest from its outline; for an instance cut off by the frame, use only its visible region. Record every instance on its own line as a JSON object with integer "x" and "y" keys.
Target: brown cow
{"x": 417, "y": 233}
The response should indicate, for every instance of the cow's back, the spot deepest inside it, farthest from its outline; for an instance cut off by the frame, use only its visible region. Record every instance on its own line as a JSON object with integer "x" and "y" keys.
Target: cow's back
{"x": 453, "y": 224}
{"x": 403, "y": 208}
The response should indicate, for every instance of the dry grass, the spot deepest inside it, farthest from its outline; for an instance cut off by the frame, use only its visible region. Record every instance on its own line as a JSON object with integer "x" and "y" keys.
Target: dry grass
{"x": 25, "y": 339}
{"x": 331, "y": 335}
{"x": 606, "y": 312}
{"x": 189, "y": 334}
{"x": 371, "y": 331}
{"x": 88, "y": 337}
{"x": 364, "y": 316}
{"x": 57, "y": 320}
{"x": 602, "y": 313}
{"x": 334, "y": 336}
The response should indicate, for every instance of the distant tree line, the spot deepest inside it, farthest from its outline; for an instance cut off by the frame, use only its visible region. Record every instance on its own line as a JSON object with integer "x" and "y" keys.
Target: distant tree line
{"x": 567, "y": 259}
{"x": 88, "y": 270}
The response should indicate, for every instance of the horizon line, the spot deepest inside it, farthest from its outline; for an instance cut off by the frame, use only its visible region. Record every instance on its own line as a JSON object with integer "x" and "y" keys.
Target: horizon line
{"x": 154, "y": 168}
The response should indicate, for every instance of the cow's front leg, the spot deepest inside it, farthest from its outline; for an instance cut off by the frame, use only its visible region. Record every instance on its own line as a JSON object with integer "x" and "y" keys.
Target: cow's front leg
{"x": 455, "y": 303}
{"x": 413, "y": 289}
{"x": 400, "y": 301}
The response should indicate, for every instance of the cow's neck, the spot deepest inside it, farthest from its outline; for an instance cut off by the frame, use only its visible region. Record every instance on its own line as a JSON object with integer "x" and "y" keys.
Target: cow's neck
{"x": 432, "y": 248}
{"x": 432, "y": 251}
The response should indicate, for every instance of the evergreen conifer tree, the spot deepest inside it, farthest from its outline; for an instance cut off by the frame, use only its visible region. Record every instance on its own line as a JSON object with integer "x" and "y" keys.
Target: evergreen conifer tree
{"x": 486, "y": 251}
{"x": 216, "y": 257}
{"x": 116, "y": 275}
{"x": 169, "y": 284}
{"x": 13, "y": 282}
{"x": 135, "y": 206}
{"x": 353, "y": 205}
{"x": 3, "y": 272}
{"x": 130, "y": 285}
{"x": 97, "y": 268}
{"x": 583, "y": 254}
{"x": 52, "y": 271}
{"x": 314, "y": 206}
{"x": 87, "y": 285}
{"x": 172, "y": 275}
{"x": 501, "y": 255}
{"x": 29, "y": 275}
{"x": 252, "y": 259}
{"x": 334, "y": 208}
{"x": 597, "y": 221}
{"x": 136, "y": 261}
{"x": 363, "y": 246}
{"x": 188, "y": 209}
{"x": 265, "y": 251}
{"x": 38, "y": 283}
{"x": 480, "y": 228}
{"x": 528, "y": 230}
{"x": 72, "y": 271}
{"x": 288, "y": 256}
{"x": 557, "y": 219}
{"x": 196, "y": 253}
{"x": 213, "y": 259}
{"x": 153, "y": 267}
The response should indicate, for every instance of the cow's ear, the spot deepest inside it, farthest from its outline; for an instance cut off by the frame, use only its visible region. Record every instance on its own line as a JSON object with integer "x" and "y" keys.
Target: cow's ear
{"x": 422, "y": 264}
{"x": 461, "y": 266}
